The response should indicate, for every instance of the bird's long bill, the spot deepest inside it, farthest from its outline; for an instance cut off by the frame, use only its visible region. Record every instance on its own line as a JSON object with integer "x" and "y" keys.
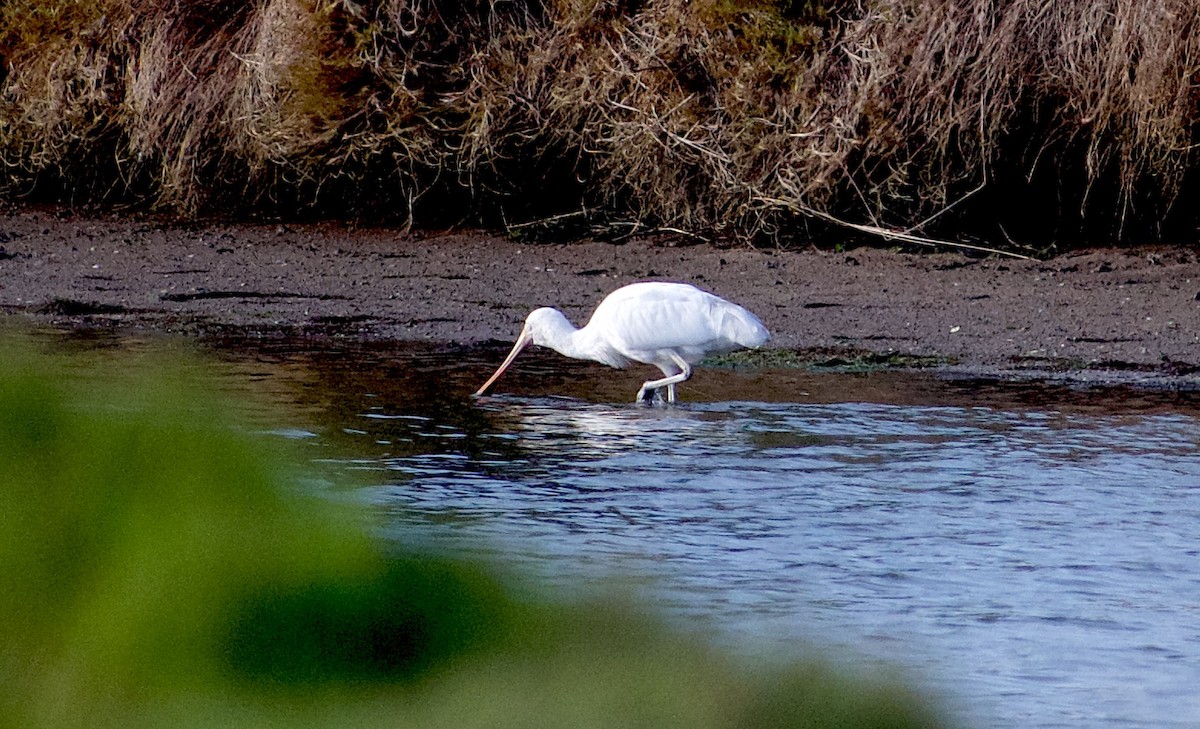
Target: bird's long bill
{"x": 522, "y": 342}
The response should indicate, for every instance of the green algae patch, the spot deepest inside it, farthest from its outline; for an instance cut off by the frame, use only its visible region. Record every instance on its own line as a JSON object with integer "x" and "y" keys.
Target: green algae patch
{"x": 820, "y": 360}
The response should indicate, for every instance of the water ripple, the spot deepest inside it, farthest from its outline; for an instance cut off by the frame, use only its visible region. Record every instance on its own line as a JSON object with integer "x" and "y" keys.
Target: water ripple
{"x": 1038, "y": 566}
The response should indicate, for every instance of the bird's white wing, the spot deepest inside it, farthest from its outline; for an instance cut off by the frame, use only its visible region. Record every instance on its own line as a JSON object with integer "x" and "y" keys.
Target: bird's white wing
{"x": 642, "y": 321}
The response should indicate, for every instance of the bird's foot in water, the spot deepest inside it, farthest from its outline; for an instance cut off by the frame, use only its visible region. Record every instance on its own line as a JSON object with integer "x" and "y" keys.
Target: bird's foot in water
{"x": 649, "y": 397}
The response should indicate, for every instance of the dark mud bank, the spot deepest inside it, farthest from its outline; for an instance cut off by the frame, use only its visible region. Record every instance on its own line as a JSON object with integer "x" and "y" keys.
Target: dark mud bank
{"x": 1101, "y": 315}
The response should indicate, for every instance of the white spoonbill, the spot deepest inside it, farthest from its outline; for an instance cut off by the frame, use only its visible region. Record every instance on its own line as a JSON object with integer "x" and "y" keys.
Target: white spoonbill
{"x": 669, "y": 325}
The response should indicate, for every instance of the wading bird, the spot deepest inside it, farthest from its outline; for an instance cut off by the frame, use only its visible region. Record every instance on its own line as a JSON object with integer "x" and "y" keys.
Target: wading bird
{"x": 669, "y": 325}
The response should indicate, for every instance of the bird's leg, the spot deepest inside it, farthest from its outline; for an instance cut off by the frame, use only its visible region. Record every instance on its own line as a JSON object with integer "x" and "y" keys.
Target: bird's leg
{"x": 648, "y": 388}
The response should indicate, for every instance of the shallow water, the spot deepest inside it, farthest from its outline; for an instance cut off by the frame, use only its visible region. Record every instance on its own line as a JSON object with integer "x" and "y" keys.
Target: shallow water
{"x": 1027, "y": 553}
{"x": 1039, "y": 568}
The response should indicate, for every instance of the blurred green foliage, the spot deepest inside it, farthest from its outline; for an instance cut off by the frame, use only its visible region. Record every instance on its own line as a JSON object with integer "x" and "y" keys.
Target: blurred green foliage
{"x": 160, "y": 567}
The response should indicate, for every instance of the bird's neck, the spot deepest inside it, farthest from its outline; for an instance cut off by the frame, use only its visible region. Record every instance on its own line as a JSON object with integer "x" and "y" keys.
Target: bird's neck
{"x": 559, "y": 334}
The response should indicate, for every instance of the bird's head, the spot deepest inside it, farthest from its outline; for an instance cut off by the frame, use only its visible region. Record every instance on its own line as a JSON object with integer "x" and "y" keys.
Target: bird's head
{"x": 543, "y": 327}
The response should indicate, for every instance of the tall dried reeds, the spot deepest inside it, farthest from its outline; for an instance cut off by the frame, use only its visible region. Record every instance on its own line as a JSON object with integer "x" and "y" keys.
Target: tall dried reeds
{"x": 1046, "y": 120}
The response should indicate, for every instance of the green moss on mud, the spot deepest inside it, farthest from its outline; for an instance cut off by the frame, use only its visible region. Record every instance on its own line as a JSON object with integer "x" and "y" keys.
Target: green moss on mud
{"x": 824, "y": 360}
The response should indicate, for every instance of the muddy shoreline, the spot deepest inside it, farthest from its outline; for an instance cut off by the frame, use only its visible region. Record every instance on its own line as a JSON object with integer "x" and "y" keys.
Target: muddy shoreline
{"x": 1128, "y": 315}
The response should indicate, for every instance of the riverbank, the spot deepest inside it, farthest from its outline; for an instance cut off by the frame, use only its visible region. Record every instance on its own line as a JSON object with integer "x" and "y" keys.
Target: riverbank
{"x": 1034, "y": 126}
{"x": 1097, "y": 316}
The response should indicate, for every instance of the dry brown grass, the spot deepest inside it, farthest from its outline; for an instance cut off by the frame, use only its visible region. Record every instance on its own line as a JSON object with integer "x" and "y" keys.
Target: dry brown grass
{"x": 744, "y": 118}
{"x": 1098, "y": 100}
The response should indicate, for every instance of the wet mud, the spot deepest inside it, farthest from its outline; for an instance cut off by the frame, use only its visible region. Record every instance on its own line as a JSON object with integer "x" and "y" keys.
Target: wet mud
{"x": 1128, "y": 315}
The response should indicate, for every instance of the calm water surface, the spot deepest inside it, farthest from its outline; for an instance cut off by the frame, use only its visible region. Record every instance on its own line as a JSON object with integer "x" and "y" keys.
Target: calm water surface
{"x": 1029, "y": 554}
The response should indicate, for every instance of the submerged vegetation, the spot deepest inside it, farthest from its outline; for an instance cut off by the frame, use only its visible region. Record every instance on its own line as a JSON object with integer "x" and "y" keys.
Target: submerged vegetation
{"x": 1026, "y": 124}
{"x": 160, "y": 566}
